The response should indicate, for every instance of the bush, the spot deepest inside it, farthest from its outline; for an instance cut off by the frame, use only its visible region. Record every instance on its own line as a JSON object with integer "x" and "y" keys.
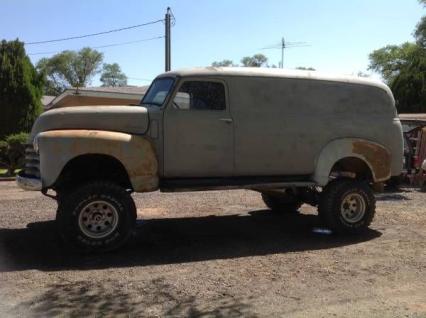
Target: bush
{"x": 12, "y": 152}
{"x": 17, "y": 139}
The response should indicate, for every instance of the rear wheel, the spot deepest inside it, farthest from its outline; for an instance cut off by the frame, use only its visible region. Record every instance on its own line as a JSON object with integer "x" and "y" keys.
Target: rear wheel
{"x": 98, "y": 216}
{"x": 282, "y": 203}
{"x": 347, "y": 206}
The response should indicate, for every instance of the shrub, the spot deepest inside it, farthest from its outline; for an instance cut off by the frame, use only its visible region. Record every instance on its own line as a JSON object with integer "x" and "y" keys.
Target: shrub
{"x": 12, "y": 152}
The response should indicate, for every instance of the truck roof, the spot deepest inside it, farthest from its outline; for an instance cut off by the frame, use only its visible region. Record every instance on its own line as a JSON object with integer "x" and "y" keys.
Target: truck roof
{"x": 274, "y": 72}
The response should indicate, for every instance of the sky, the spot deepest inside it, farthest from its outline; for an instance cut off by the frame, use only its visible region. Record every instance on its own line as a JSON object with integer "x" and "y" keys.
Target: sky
{"x": 340, "y": 34}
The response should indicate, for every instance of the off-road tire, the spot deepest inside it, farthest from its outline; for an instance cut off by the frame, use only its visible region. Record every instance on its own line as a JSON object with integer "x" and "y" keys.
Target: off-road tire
{"x": 331, "y": 206}
{"x": 282, "y": 203}
{"x": 423, "y": 187}
{"x": 109, "y": 196}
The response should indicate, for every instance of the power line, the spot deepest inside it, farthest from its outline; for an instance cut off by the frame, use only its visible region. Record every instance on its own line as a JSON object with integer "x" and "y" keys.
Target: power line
{"x": 104, "y": 46}
{"x": 285, "y": 45}
{"x": 95, "y": 34}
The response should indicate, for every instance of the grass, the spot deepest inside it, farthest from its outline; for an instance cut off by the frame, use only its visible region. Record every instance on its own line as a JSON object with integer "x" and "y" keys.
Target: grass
{"x": 4, "y": 171}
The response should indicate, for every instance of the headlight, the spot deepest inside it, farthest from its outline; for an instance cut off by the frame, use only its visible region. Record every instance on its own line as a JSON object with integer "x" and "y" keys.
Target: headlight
{"x": 35, "y": 143}
{"x": 424, "y": 165}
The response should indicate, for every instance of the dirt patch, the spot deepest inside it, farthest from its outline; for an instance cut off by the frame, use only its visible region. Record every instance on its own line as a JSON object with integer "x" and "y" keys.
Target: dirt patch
{"x": 215, "y": 254}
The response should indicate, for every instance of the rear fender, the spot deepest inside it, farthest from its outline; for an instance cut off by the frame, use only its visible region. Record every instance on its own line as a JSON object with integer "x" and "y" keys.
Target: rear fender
{"x": 377, "y": 158}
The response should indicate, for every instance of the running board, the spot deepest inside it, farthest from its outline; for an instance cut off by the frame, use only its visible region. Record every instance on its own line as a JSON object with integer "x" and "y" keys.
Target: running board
{"x": 251, "y": 183}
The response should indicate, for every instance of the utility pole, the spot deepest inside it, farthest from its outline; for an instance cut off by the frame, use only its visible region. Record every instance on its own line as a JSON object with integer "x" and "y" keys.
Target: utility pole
{"x": 282, "y": 52}
{"x": 167, "y": 40}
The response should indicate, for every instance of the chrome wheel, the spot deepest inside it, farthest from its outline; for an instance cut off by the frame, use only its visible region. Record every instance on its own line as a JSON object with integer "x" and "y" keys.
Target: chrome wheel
{"x": 353, "y": 207}
{"x": 98, "y": 219}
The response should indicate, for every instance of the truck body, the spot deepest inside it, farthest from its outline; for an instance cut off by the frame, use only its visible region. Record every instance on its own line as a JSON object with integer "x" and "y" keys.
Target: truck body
{"x": 278, "y": 132}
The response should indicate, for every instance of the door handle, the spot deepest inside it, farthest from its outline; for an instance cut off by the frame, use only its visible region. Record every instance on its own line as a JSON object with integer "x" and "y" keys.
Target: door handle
{"x": 226, "y": 120}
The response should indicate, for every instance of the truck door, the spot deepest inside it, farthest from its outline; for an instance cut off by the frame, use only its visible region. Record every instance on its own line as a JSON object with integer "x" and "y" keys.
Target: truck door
{"x": 198, "y": 131}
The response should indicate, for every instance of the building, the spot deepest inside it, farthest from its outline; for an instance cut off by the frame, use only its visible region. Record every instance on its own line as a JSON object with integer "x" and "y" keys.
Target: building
{"x": 126, "y": 95}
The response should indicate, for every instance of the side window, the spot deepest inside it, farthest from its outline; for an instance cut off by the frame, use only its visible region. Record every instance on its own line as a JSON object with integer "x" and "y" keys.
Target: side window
{"x": 193, "y": 95}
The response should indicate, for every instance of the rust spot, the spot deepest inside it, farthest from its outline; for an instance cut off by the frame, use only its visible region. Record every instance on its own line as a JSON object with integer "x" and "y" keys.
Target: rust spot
{"x": 378, "y": 157}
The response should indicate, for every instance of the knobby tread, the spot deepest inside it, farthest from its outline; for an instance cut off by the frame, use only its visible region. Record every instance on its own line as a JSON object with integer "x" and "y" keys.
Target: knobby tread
{"x": 329, "y": 205}
{"x": 69, "y": 203}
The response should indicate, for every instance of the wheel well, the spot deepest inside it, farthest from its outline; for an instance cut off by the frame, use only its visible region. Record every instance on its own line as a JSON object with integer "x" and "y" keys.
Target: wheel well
{"x": 352, "y": 167}
{"x": 92, "y": 167}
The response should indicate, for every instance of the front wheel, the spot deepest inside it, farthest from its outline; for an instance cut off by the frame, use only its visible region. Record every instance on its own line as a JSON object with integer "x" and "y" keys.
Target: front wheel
{"x": 347, "y": 206}
{"x": 98, "y": 216}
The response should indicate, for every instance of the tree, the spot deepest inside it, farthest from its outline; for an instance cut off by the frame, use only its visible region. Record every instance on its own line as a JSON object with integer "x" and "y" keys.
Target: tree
{"x": 403, "y": 67}
{"x": 223, "y": 63}
{"x": 305, "y": 68}
{"x": 409, "y": 85}
{"x": 389, "y": 60}
{"x": 70, "y": 69}
{"x": 362, "y": 74}
{"x": 404, "y": 70}
{"x": 420, "y": 32}
{"x": 113, "y": 76}
{"x": 256, "y": 60}
{"x": 21, "y": 89}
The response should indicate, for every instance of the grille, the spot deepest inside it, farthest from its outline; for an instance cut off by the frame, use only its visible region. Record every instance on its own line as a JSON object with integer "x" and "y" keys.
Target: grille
{"x": 32, "y": 162}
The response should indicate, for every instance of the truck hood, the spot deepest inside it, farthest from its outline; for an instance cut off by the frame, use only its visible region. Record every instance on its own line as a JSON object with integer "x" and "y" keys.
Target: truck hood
{"x": 128, "y": 119}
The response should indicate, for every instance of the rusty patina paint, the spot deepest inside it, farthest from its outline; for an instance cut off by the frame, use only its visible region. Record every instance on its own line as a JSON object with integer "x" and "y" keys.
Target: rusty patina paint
{"x": 136, "y": 153}
{"x": 377, "y": 156}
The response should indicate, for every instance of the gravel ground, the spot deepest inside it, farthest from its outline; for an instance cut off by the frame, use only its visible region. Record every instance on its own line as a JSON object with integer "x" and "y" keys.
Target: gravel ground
{"x": 212, "y": 254}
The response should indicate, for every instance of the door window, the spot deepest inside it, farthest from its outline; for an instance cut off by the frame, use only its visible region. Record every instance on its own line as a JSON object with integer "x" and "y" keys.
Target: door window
{"x": 200, "y": 95}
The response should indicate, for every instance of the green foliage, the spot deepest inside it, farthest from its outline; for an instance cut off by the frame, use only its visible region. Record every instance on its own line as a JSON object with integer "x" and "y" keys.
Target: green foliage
{"x": 409, "y": 85}
{"x": 389, "y": 60}
{"x": 12, "y": 152}
{"x": 17, "y": 139}
{"x": 113, "y": 76}
{"x": 21, "y": 89}
{"x": 305, "y": 68}
{"x": 256, "y": 60}
{"x": 69, "y": 69}
{"x": 362, "y": 74}
{"x": 403, "y": 67}
{"x": 420, "y": 32}
{"x": 224, "y": 63}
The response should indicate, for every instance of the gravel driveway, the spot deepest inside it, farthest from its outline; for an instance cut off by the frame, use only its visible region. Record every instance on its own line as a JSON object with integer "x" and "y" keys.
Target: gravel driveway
{"x": 215, "y": 254}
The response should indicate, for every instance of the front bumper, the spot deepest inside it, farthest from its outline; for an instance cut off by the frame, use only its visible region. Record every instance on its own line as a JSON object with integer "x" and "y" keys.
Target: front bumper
{"x": 28, "y": 183}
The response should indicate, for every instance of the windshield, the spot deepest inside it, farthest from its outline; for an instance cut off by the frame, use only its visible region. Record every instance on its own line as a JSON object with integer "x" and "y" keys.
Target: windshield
{"x": 158, "y": 91}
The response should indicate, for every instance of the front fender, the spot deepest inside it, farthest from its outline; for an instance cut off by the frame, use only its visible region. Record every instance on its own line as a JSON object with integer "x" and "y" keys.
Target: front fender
{"x": 377, "y": 158}
{"x": 136, "y": 153}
